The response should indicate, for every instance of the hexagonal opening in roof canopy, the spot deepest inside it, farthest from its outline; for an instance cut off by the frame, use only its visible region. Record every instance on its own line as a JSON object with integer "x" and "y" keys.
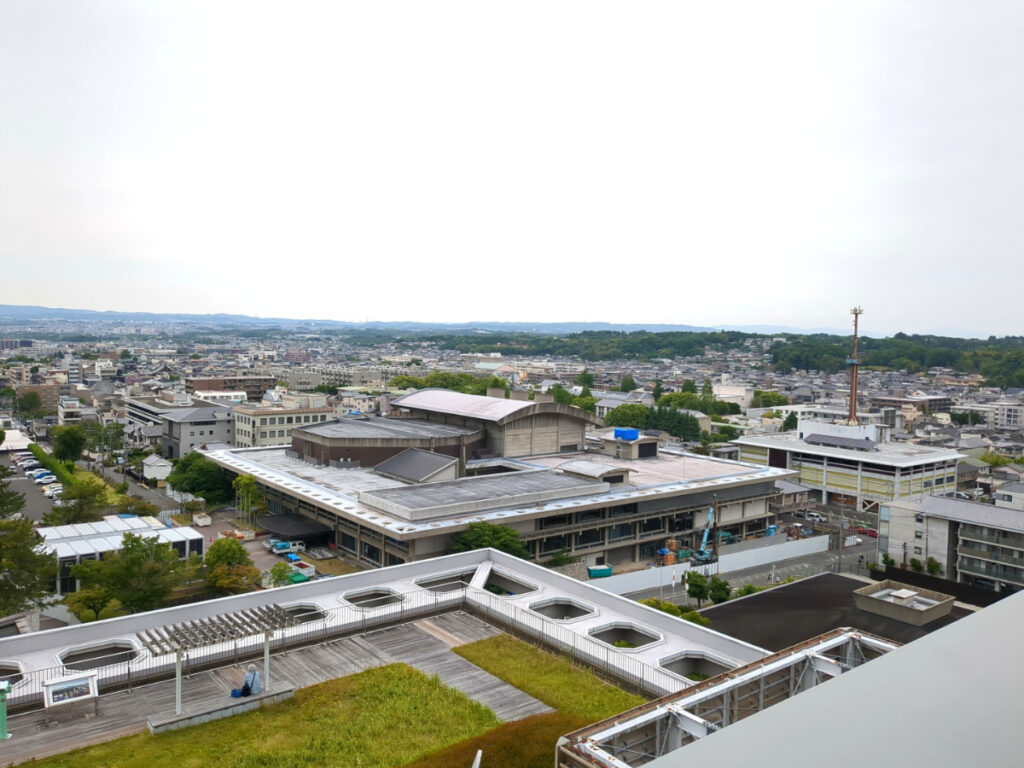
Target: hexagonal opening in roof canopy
{"x": 98, "y": 656}
{"x": 624, "y": 635}
{"x": 561, "y": 609}
{"x": 694, "y": 665}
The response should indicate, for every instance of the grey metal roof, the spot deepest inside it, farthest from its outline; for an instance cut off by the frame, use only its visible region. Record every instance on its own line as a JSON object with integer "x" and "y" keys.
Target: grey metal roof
{"x": 459, "y": 404}
{"x": 835, "y": 441}
{"x": 962, "y": 511}
{"x": 474, "y": 494}
{"x": 596, "y": 469}
{"x": 788, "y": 486}
{"x": 380, "y": 427}
{"x": 414, "y": 465}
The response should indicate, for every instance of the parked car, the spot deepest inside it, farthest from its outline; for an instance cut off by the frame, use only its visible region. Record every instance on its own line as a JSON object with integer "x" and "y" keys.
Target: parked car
{"x": 45, "y": 479}
{"x": 28, "y": 466}
{"x": 816, "y": 517}
{"x": 871, "y": 532}
{"x": 53, "y": 490}
{"x": 34, "y": 473}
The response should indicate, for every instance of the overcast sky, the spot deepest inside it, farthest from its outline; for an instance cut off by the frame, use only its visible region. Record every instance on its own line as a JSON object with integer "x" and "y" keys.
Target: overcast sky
{"x": 675, "y": 162}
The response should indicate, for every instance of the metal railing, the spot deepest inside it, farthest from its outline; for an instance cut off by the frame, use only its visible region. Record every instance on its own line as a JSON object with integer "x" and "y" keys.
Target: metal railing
{"x": 126, "y": 668}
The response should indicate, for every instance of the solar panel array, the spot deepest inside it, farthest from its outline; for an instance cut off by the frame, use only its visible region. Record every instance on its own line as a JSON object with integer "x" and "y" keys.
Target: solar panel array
{"x": 833, "y": 441}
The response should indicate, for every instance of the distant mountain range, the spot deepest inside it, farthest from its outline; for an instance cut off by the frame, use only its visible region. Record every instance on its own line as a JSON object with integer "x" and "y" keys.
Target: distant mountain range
{"x": 13, "y": 314}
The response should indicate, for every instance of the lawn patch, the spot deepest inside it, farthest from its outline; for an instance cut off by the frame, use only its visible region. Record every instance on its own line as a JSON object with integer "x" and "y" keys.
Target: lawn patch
{"x": 570, "y": 689}
{"x": 526, "y": 743}
{"x": 380, "y": 718}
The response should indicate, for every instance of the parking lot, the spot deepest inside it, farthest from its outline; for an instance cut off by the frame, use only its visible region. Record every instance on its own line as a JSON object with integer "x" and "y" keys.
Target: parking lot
{"x": 36, "y": 505}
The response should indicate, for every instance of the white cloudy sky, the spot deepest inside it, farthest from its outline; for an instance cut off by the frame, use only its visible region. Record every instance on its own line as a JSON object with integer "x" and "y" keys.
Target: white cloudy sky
{"x": 678, "y": 162}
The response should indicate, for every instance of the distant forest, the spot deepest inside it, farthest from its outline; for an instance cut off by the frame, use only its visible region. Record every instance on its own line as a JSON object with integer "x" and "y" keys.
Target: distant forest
{"x": 999, "y": 360}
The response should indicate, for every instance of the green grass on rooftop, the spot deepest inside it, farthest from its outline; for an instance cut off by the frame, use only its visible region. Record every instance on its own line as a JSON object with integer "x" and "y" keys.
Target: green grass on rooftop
{"x": 570, "y": 689}
{"x": 381, "y": 718}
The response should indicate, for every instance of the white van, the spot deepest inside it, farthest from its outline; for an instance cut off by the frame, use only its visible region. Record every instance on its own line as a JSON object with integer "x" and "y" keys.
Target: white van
{"x": 816, "y": 517}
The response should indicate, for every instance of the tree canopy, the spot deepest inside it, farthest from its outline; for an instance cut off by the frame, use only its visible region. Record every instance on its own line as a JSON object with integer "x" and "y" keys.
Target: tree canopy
{"x": 229, "y": 566}
{"x": 768, "y": 399}
{"x": 482, "y": 535}
{"x": 196, "y": 474}
{"x": 141, "y": 575}
{"x": 676, "y": 423}
{"x": 82, "y": 502}
{"x": 26, "y": 576}
{"x": 68, "y": 442}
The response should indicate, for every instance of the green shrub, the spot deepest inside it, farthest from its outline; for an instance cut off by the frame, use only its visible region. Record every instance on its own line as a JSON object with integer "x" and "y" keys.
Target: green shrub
{"x": 57, "y": 467}
{"x": 916, "y": 565}
{"x": 933, "y": 566}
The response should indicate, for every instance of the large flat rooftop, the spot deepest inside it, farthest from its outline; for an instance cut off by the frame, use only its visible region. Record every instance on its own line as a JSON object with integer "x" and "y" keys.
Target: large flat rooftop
{"x": 893, "y": 454}
{"x": 663, "y": 468}
{"x": 790, "y": 614}
{"x": 380, "y": 428}
{"x": 358, "y": 492}
{"x": 962, "y": 511}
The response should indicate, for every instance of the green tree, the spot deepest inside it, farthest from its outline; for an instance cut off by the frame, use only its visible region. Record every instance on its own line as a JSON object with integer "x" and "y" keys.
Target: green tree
{"x": 229, "y": 567}
{"x": 628, "y": 415}
{"x": 561, "y": 394}
{"x": 689, "y": 385}
{"x": 30, "y": 405}
{"x": 658, "y": 390}
{"x": 768, "y": 399}
{"x": 11, "y": 502}
{"x": 26, "y": 575}
{"x": 707, "y": 396}
{"x": 280, "y": 574}
{"x": 196, "y": 474}
{"x": 136, "y": 505}
{"x": 141, "y": 575}
{"x": 247, "y": 490}
{"x": 83, "y": 502}
{"x": 482, "y": 535}
{"x": 791, "y": 422}
{"x": 719, "y": 590}
{"x": 697, "y": 586}
{"x": 628, "y": 384}
{"x": 68, "y": 443}
{"x": 677, "y": 611}
{"x": 933, "y": 566}
{"x": 585, "y": 379}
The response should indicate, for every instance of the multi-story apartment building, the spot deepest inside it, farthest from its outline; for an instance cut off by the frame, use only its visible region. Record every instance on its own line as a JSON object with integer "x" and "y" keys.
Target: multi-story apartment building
{"x": 262, "y": 425}
{"x": 254, "y": 385}
{"x": 974, "y": 543}
{"x": 853, "y": 471}
{"x": 186, "y": 429}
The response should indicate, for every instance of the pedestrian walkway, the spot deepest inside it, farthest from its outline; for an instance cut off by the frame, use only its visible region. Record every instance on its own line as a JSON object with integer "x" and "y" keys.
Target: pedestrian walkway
{"x": 425, "y": 645}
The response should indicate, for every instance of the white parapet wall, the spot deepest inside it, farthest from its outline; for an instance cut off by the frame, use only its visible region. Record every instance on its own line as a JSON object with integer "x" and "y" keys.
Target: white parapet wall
{"x": 652, "y": 578}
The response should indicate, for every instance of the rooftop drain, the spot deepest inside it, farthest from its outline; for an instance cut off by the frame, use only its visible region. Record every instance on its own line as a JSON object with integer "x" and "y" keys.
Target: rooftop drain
{"x": 624, "y": 635}
{"x": 561, "y": 609}
{"x": 98, "y": 656}
{"x": 694, "y": 665}
{"x": 373, "y": 598}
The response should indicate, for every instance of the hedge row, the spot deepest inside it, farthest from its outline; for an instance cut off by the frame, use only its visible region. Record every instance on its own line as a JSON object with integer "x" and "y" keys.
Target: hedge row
{"x": 59, "y": 470}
